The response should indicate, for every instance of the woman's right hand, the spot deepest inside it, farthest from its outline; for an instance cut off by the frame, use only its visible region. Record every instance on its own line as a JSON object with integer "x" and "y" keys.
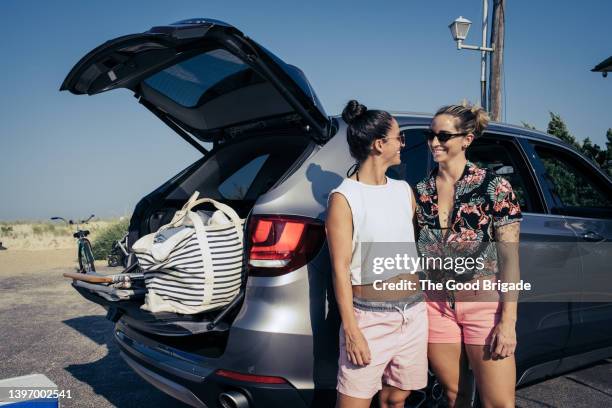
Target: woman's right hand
{"x": 357, "y": 347}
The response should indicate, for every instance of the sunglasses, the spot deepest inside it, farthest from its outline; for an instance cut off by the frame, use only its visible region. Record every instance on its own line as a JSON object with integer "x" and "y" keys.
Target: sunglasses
{"x": 401, "y": 138}
{"x": 442, "y": 136}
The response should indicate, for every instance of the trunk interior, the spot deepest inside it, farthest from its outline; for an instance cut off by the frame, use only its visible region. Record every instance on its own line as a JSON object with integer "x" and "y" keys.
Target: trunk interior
{"x": 235, "y": 173}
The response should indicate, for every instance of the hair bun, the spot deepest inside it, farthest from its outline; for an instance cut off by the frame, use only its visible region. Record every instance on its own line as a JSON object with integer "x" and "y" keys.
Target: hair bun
{"x": 477, "y": 110}
{"x": 352, "y": 111}
{"x": 471, "y": 118}
{"x": 481, "y": 117}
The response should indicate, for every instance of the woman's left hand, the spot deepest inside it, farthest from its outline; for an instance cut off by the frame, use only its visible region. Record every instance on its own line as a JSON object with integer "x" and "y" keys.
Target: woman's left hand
{"x": 503, "y": 341}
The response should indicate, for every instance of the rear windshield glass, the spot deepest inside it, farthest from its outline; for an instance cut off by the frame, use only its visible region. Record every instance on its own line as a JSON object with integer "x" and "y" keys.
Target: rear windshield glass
{"x": 187, "y": 82}
{"x": 235, "y": 187}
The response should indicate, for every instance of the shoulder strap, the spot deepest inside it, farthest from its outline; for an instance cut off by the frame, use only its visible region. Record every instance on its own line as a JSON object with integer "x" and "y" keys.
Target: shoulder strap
{"x": 177, "y": 220}
{"x": 193, "y": 201}
{"x": 209, "y": 276}
{"x": 226, "y": 209}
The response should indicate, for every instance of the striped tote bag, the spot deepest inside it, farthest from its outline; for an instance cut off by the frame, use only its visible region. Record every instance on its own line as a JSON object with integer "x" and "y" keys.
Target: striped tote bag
{"x": 192, "y": 265}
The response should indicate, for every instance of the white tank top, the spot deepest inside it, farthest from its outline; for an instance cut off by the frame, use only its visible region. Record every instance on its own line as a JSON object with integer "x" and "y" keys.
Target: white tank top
{"x": 381, "y": 213}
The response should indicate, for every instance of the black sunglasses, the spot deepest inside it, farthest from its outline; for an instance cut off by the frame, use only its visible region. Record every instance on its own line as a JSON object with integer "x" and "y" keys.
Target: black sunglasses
{"x": 442, "y": 136}
{"x": 401, "y": 138}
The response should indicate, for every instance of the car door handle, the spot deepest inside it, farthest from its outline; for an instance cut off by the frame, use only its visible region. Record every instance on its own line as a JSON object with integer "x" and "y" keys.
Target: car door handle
{"x": 592, "y": 236}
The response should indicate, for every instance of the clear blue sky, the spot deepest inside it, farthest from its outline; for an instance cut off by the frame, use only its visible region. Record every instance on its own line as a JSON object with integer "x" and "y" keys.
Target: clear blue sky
{"x": 73, "y": 155}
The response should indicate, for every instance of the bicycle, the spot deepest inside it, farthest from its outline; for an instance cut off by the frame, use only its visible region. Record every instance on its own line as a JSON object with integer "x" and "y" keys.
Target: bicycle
{"x": 85, "y": 253}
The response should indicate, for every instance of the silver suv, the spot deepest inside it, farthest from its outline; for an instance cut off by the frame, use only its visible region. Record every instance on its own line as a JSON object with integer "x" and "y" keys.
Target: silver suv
{"x": 276, "y": 155}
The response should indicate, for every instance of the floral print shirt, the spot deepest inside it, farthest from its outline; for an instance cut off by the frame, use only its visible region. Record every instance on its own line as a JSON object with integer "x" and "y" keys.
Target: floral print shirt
{"x": 483, "y": 202}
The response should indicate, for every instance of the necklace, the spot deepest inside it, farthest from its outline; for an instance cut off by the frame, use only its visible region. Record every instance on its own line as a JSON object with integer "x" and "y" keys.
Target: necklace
{"x": 357, "y": 176}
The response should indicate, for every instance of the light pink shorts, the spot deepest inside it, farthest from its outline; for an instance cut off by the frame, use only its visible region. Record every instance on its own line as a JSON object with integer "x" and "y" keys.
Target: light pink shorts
{"x": 398, "y": 346}
{"x": 470, "y": 322}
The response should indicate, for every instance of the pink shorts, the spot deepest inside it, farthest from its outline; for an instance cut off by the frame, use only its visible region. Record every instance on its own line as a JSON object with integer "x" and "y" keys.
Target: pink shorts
{"x": 470, "y": 322}
{"x": 398, "y": 347}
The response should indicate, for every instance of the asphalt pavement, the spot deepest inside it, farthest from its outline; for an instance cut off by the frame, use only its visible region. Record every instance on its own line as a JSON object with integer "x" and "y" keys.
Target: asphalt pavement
{"x": 49, "y": 328}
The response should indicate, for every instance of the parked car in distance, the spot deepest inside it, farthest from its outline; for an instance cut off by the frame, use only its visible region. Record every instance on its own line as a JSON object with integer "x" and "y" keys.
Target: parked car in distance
{"x": 276, "y": 155}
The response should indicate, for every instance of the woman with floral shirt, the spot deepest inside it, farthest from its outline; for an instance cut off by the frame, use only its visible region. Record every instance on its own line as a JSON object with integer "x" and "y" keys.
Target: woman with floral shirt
{"x": 464, "y": 210}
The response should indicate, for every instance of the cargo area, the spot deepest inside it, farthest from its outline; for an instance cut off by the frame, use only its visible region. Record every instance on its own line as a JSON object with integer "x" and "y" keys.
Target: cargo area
{"x": 236, "y": 174}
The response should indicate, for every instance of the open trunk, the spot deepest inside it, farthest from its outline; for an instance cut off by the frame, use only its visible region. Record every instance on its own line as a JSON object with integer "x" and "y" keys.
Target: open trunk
{"x": 210, "y": 83}
{"x": 236, "y": 173}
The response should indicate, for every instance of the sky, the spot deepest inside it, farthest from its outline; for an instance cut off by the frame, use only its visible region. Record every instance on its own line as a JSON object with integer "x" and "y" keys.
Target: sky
{"x": 71, "y": 156}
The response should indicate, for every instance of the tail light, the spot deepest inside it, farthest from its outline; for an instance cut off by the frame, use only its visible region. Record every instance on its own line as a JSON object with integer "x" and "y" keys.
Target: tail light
{"x": 281, "y": 244}
{"x": 262, "y": 379}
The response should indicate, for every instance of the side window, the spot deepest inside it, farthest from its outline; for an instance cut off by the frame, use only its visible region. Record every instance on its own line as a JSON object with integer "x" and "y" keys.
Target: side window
{"x": 236, "y": 186}
{"x": 416, "y": 159}
{"x": 574, "y": 184}
{"x": 503, "y": 156}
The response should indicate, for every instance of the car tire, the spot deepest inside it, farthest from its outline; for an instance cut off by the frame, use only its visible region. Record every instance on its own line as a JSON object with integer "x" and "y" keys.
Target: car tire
{"x": 437, "y": 399}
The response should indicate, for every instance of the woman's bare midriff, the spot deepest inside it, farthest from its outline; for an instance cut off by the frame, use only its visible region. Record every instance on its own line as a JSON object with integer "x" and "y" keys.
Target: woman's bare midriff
{"x": 370, "y": 293}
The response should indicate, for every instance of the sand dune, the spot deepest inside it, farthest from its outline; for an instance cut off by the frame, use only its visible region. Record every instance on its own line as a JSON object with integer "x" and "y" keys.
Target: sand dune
{"x": 44, "y": 235}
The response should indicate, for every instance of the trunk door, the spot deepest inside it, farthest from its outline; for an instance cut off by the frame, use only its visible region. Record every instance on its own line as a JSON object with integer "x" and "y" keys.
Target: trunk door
{"x": 206, "y": 76}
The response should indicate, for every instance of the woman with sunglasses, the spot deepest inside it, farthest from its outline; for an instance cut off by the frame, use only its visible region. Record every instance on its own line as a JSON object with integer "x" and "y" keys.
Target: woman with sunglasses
{"x": 462, "y": 207}
{"x": 383, "y": 335}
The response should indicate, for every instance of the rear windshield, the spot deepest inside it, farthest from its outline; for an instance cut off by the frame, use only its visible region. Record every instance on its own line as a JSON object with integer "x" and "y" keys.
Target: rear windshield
{"x": 216, "y": 72}
{"x": 189, "y": 82}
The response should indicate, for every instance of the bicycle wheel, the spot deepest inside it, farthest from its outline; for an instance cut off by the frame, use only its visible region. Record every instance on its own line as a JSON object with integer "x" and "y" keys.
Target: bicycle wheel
{"x": 86, "y": 259}
{"x": 113, "y": 260}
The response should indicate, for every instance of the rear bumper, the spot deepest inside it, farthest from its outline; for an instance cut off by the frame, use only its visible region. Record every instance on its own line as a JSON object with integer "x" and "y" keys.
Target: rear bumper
{"x": 192, "y": 380}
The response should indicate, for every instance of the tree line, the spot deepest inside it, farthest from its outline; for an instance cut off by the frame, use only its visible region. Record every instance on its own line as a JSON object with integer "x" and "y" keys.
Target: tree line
{"x": 598, "y": 155}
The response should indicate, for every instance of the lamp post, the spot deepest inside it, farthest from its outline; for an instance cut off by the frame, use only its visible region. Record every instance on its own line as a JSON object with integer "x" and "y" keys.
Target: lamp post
{"x": 459, "y": 30}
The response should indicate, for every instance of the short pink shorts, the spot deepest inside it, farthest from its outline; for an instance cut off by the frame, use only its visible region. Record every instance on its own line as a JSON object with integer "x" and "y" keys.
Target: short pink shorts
{"x": 470, "y": 322}
{"x": 398, "y": 346}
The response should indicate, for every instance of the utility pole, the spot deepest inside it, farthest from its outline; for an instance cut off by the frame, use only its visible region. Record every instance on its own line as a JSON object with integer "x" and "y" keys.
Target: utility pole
{"x": 483, "y": 56}
{"x": 497, "y": 60}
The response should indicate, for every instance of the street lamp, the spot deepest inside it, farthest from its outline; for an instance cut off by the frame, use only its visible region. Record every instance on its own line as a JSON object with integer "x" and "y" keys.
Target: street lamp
{"x": 459, "y": 30}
